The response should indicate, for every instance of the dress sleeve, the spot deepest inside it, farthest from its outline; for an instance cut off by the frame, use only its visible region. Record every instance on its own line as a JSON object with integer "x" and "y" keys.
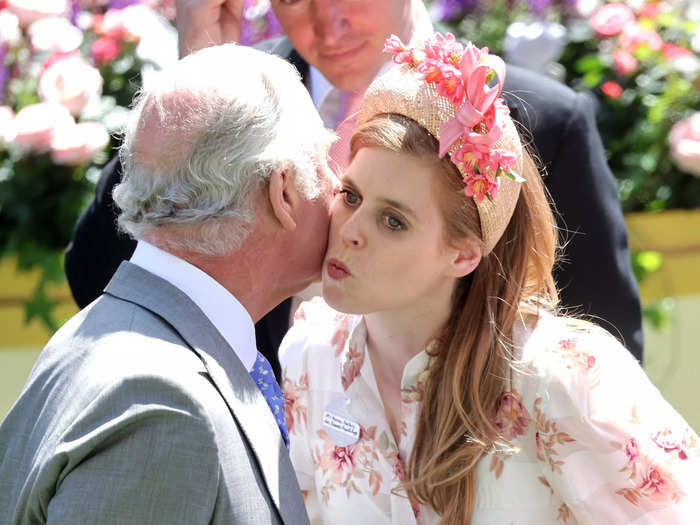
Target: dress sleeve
{"x": 610, "y": 446}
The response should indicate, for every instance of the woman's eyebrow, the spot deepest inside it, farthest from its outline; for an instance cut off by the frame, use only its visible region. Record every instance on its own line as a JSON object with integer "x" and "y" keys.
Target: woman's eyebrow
{"x": 399, "y": 206}
{"x": 389, "y": 202}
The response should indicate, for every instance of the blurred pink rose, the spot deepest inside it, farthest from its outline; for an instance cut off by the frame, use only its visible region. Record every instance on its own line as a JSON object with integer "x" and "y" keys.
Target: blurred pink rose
{"x": 78, "y": 144}
{"x": 55, "y": 34}
{"x": 610, "y": 19}
{"x": 684, "y": 140}
{"x": 29, "y": 11}
{"x": 104, "y": 50}
{"x": 35, "y": 125}
{"x": 7, "y": 130}
{"x": 70, "y": 81}
{"x": 10, "y": 33}
{"x": 650, "y": 10}
{"x": 611, "y": 89}
{"x": 634, "y": 35}
{"x": 672, "y": 51}
{"x": 121, "y": 24}
{"x": 624, "y": 62}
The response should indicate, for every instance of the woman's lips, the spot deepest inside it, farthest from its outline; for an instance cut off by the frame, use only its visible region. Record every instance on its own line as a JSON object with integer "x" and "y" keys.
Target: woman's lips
{"x": 337, "y": 270}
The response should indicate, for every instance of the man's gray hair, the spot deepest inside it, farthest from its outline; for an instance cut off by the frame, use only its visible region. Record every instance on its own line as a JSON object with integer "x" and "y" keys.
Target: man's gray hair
{"x": 200, "y": 145}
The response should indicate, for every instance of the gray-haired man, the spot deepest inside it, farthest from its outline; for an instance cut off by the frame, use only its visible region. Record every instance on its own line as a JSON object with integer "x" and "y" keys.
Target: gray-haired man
{"x": 141, "y": 408}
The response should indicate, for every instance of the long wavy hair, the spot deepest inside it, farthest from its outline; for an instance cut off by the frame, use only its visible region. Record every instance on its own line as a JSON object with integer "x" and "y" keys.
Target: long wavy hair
{"x": 474, "y": 355}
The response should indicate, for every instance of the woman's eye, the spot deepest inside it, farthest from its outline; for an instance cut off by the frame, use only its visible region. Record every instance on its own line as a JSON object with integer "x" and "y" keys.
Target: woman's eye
{"x": 350, "y": 198}
{"x": 394, "y": 223}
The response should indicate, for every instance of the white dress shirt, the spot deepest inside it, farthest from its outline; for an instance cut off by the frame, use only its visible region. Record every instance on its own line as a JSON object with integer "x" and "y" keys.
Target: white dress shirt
{"x": 224, "y": 311}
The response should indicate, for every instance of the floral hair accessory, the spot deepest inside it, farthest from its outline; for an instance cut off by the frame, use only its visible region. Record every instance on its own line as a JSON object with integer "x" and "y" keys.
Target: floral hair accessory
{"x": 472, "y": 80}
{"x": 453, "y": 91}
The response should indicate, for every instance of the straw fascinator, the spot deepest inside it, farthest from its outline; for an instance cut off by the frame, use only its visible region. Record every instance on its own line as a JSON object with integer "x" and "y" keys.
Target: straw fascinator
{"x": 453, "y": 91}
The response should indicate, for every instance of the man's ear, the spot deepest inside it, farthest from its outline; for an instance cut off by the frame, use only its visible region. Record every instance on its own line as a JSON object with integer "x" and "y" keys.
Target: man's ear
{"x": 282, "y": 195}
{"x": 465, "y": 257}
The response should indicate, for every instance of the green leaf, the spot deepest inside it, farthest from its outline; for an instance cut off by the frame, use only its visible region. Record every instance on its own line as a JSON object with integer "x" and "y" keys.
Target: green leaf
{"x": 588, "y": 64}
{"x": 660, "y": 313}
{"x": 645, "y": 263}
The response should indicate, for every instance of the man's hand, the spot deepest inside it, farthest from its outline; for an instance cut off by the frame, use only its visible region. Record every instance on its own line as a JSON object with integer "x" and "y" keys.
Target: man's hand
{"x": 204, "y": 23}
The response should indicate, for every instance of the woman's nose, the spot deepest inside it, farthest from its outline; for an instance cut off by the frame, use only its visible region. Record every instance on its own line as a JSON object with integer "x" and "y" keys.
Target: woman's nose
{"x": 351, "y": 230}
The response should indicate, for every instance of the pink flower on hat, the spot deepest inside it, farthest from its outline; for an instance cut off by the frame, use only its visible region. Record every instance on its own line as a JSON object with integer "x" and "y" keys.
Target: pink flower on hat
{"x": 471, "y": 79}
{"x": 479, "y": 186}
{"x": 402, "y": 54}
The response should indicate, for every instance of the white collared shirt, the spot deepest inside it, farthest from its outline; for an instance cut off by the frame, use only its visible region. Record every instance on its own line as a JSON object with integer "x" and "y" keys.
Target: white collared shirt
{"x": 224, "y": 311}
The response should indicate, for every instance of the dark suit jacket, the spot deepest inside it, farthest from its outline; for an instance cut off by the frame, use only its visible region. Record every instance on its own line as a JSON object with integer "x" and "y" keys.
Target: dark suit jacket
{"x": 594, "y": 277}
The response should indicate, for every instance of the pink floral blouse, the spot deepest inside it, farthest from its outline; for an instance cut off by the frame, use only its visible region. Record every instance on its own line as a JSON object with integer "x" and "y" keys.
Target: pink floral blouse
{"x": 593, "y": 440}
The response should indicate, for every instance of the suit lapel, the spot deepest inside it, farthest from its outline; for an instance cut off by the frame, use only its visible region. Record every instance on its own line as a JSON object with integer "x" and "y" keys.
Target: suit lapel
{"x": 248, "y": 406}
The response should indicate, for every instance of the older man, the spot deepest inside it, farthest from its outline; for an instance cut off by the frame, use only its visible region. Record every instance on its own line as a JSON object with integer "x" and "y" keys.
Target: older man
{"x": 153, "y": 405}
{"x": 337, "y": 47}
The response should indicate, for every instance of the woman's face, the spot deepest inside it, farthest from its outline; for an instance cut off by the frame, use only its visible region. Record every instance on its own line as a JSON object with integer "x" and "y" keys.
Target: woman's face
{"x": 386, "y": 246}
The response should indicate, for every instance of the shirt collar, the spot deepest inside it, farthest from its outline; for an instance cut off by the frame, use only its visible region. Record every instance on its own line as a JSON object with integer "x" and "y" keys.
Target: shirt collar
{"x": 354, "y": 358}
{"x": 224, "y": 311}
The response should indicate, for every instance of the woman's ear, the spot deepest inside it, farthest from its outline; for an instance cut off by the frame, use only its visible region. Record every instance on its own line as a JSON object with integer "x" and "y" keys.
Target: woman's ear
{"x": 465, "y": 257}
{"x": 282, "y": 194}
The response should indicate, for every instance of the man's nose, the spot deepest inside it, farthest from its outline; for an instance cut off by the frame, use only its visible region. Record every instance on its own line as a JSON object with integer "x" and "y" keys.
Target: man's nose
{"x": 330, "y": 21}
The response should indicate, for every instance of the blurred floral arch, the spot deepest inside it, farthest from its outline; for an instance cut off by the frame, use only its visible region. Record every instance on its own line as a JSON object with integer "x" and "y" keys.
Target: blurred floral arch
{"x": 69, "y": 69}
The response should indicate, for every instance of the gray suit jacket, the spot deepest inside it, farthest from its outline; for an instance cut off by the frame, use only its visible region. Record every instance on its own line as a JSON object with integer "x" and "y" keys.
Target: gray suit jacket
{"x": 138, "y": 411}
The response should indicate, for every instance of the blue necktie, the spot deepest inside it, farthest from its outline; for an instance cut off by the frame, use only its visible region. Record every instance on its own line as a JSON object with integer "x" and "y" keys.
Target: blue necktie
{"x": 265, "y": 379}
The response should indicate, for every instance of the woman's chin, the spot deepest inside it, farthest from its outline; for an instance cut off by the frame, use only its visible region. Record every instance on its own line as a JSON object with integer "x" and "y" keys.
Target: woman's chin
{"x": 336, "y": 298}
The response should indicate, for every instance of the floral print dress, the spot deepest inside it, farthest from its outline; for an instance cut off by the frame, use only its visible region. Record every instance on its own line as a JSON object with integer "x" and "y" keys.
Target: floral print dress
{"x": 593, "y": 440}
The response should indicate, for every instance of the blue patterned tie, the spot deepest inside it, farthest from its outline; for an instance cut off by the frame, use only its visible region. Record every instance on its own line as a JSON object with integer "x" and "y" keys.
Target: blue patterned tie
{"x": 265, "y": 379}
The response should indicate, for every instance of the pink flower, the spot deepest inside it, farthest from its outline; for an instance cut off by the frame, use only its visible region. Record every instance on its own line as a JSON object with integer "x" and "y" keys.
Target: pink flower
{"x": 611, "y": 89}
{"x": 122, "y": 24}
{"x": 684, "y": 142}
{"x": 444, "y": 49}
{"x": 470, "y": 154}
{"x": 665, "y": 440}
{"x": 634, "y": 35}
{"x": 501, "y": 158}
{"x": 451, "y": 86}
{"x": 78, "y": 144}
{"x": 480, "y": 186}
{"x": 512, "y": 418}
{"x": 340, "y": 462}
{"x": 29, "y": 11}
{"x": 655, "y": 482}
{"x": 104, "y": 50}
{"x": 402, "y": 54}
{"x": 650, "y": 10}
{"x": 294, "y": 408}
{"x": 631, "y": 451}
{"x": 432, "y": 70}
{"x": 610, "y": 19}
{"x": 35, "y": 125}
{"x": 352, "y": 365}
{"x": 672, "y": 51}
{"x": 624, "y": 62}
{"x": 70, "y": 81}
{"x": 55, "y": 34}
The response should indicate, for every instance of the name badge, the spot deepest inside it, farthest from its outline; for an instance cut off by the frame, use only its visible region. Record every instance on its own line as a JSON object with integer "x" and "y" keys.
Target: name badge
{"x": 339, "y": 425}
